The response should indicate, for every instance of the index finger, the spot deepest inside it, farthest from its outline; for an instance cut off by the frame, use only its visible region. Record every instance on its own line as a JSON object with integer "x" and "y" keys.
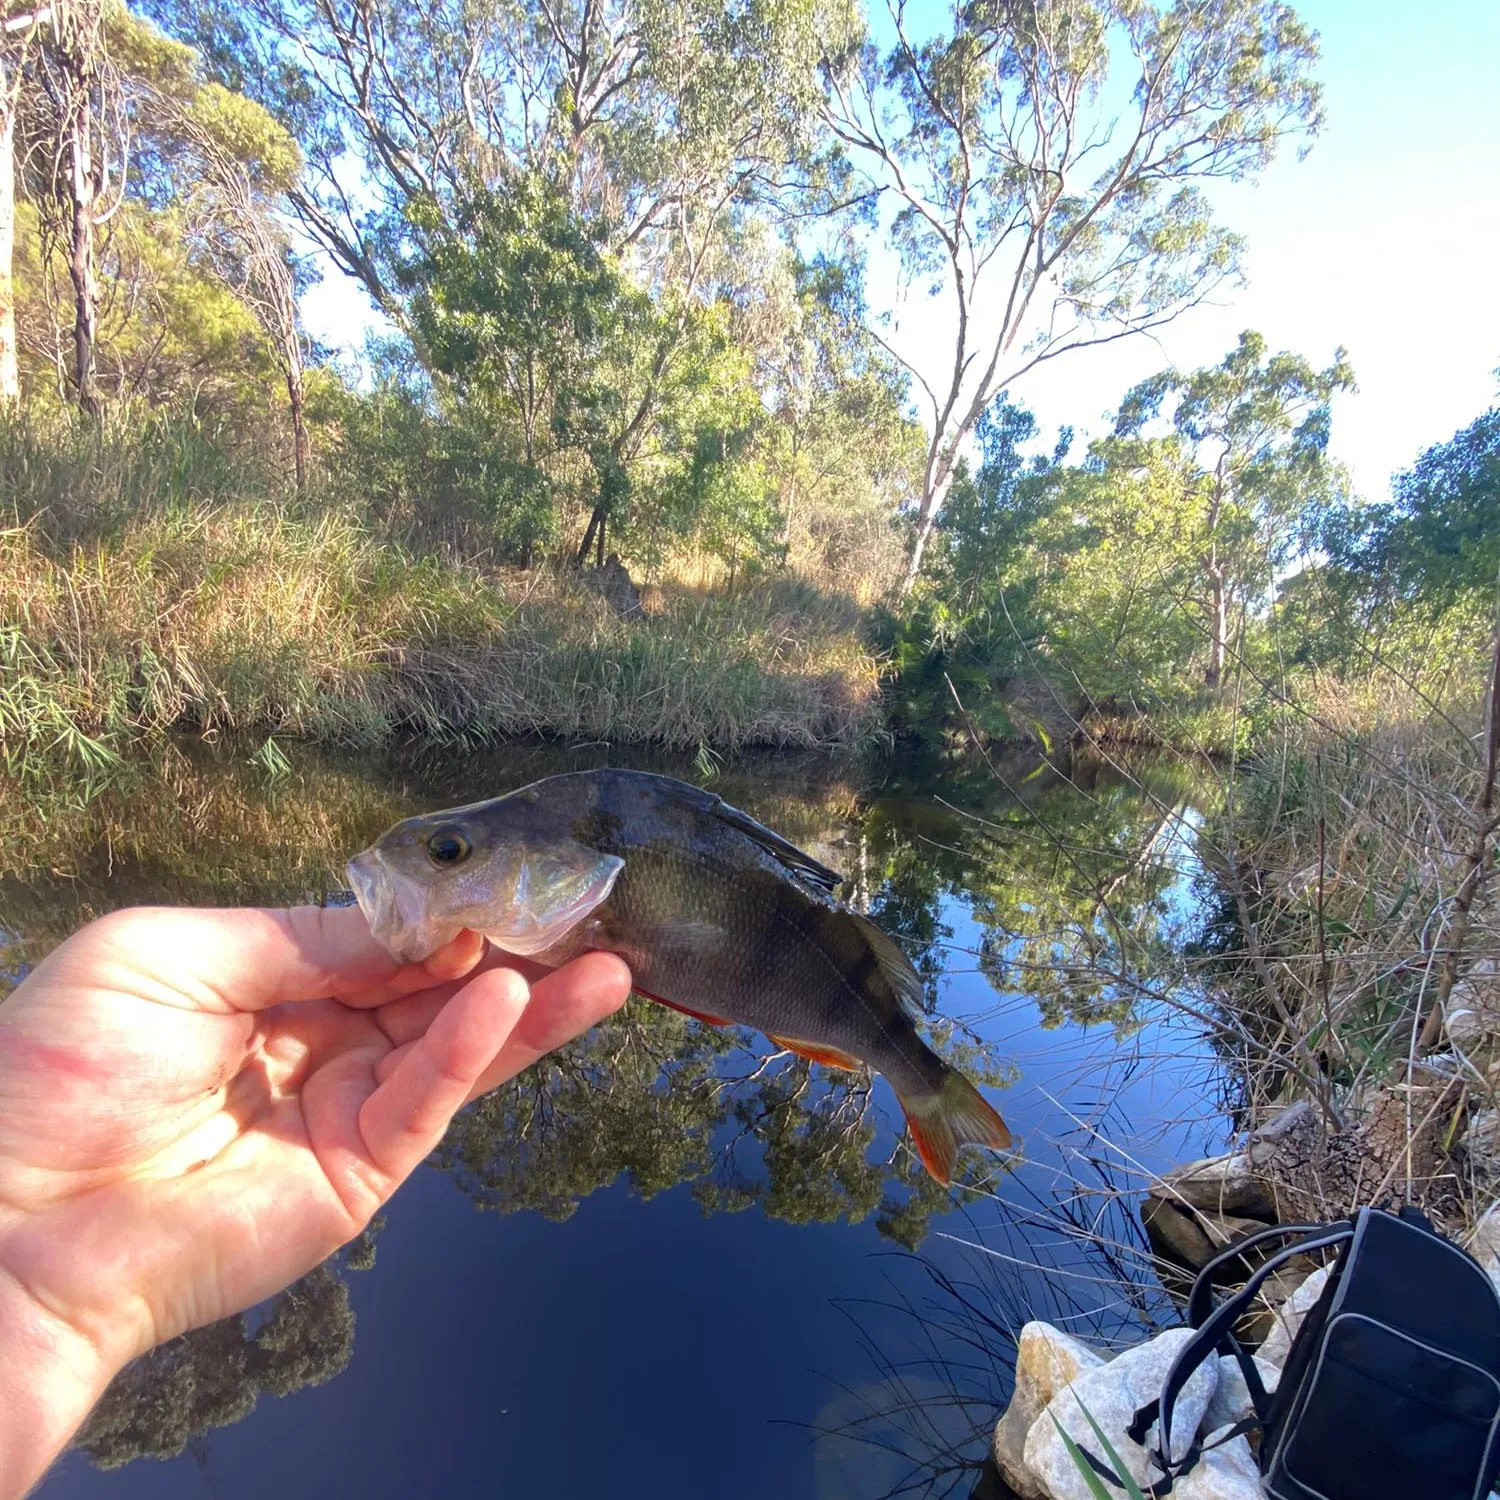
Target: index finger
{"x": 248, "y": 958}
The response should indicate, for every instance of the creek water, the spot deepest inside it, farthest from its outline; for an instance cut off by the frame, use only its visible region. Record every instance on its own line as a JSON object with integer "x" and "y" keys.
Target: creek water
{"x": 665, "y": 1266}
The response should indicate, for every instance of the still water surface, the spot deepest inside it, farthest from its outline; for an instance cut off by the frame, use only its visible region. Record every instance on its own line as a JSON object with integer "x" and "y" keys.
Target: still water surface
{"x": 666, "y": 1267}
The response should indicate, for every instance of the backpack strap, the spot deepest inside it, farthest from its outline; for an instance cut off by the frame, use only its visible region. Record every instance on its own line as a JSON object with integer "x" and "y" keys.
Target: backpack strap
{"x": 1201, "y": 1301}
{"x": 1213, "y": 1330}
{"x": 1162, "y": 1487}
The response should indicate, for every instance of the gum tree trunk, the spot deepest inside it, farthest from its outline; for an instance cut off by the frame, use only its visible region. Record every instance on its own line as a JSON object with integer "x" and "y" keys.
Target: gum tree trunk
{"x": 1218, "y": 625}
{"x": 296, "y": 396}
{"x": 10, "y": 386}
{"x": 83, "y": 188}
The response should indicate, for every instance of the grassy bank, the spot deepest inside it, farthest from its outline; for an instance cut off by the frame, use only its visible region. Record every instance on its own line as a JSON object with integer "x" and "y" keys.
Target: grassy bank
{"x": 140, "y": 592}
{"x": 1347, "y": 857}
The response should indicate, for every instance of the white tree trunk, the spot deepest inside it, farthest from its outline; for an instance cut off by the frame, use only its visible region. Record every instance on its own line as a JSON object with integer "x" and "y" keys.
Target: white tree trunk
{"x": 927, "y": 518}
{"x": 10, "y": 386}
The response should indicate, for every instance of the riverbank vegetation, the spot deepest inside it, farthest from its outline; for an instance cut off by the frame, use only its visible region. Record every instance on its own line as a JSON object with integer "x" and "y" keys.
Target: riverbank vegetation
{"x": 149, "y": 585}
{"x": 618, "y": 267}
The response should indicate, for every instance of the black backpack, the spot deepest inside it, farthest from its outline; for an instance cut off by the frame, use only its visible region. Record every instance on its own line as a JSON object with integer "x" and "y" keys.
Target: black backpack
{"x": 1392, "y": 1384}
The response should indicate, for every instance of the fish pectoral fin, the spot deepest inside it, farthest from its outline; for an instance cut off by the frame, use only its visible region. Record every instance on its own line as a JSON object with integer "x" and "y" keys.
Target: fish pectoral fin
{"x": 697, "y": 1015}
{"x": 819, "y": 1052}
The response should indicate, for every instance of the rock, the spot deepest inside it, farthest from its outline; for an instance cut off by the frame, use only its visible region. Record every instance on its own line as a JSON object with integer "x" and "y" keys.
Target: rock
{"x": 1478, "y": 991}
{"x": 1227, "y": 1473}
{"x": 1253, "y": 1328}
{"x": 1174, "y": 1232}
{"x": 1289, "y": 1318}
{"x": 1046, "y": 1360}
{"x": 1442, "y": 1064}
{"x": 1194, "y": 1235}
{"x": 619, "y": 589}
{"x": 1112, "y": 1393}
{"x": 1221, "y": 1185}
{"x": 1484, "y": 1244}
{"x": 1231, "y": 1401}
{"x": 1482, "y": 1140}
{"x": 1462, "y": 1024}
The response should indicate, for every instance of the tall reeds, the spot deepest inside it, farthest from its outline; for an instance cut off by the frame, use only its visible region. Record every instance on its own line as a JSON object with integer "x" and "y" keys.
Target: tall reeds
{"x": 143, "y": 588}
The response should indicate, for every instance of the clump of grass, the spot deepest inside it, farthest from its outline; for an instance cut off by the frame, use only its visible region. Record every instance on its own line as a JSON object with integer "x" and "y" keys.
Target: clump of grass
{"x": 1353, "y": 833}
{"x": 123, "y": 616}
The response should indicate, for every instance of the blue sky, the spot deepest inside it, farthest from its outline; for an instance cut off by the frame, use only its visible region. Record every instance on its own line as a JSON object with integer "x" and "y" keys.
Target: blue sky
{"x": 1386, "y": 239}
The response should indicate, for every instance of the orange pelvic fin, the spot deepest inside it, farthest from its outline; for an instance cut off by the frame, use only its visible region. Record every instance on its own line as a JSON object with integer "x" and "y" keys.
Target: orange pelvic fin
{"x": 697, "y": 1015}
{"x": 952, "y": 1117}
{"x": 819, "y": 1052}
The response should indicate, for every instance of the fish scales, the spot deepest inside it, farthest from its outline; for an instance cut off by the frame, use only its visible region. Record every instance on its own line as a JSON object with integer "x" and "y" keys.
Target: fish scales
{"x": 714, "y": 914}
{"x": 756, "y": 949}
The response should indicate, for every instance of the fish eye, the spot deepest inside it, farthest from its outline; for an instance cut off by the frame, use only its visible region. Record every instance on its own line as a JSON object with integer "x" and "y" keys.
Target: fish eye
{"x": 448, "y": 847}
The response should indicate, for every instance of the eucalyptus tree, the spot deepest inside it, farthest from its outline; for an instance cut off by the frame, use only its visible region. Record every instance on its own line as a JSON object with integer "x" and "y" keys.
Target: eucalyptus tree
{"x": 83, "y": 155}
{"x": 658, "y": 119}
{"x": 1249, "y": 446}
{"x": 18, "y": 34}
{"x": 1045, "y": 159}
{"x": 142, "y": 184}
{"x": 235, "y": 166}
{"x": 656, "y": 125}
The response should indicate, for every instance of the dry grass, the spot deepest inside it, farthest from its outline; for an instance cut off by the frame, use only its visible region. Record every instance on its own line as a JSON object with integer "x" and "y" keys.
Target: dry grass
{"x": 1353, "y": 859}
{"x": 223, "y": 616}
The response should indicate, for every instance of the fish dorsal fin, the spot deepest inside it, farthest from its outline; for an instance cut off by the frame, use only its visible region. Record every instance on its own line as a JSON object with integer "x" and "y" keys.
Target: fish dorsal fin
{"x": 894, "y": 964}
{"x": 796, "y": 861}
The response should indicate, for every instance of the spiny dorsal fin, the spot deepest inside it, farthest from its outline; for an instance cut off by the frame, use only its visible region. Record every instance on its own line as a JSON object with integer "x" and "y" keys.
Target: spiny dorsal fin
{"x": 795, "y": 860}
{"x": 894, "y": 964}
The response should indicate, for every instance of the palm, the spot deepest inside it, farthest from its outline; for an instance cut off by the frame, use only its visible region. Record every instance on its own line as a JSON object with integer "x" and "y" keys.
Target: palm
{"x": 177, "y": 1141}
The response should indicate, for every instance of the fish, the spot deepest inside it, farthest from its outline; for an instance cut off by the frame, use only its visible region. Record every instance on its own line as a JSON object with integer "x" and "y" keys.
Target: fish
{"x": 715, "y": 914}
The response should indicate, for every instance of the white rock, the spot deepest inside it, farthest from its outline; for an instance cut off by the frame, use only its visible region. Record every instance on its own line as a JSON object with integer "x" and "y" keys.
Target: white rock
{"x": 1231, "y": 1402}
{"x": 1444, "y": 1064}
{"x": 1483, "y": 1141}
{"x": 1484, "y": 1244}
{"x": 1289, "y": 1318}
{"x": 1047, "y": 1359}
{"x": 1112, "y": 1394}
{"x": 1227, "y": 1473}
{"x": 1462, "y": 1025}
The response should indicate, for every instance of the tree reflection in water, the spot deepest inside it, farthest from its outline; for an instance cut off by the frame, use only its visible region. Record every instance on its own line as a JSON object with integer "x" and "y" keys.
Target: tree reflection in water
{"x": 1069, "y": 882}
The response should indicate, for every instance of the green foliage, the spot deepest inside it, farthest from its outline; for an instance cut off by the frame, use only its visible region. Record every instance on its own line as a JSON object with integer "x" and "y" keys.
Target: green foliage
{"x": 1437, "y": 542}
{"x": 598, "y": 397}
{"x": 214, "y": 1376}
{"x": 971, "y": 625}
{"x": 433, "y": 471}
{"x": 1128, "y": 581}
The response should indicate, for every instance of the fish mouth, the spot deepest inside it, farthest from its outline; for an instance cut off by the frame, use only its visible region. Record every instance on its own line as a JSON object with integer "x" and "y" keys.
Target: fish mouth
{"x": 392, "y": 906}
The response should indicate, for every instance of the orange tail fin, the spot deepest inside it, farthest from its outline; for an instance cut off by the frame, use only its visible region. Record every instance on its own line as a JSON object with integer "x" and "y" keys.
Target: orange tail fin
{"x": 955, "y": 1115}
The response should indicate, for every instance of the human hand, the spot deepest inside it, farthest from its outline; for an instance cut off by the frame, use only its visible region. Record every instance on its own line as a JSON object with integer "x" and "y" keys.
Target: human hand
{"x": 196, "y": 1107}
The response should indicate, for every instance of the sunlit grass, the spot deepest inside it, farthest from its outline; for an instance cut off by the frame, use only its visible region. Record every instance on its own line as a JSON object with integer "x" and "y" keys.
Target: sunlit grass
{"x": 123, "y": 614}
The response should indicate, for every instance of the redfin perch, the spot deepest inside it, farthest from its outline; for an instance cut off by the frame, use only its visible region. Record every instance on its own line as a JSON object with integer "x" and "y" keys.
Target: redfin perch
{"x": 715, "y": 914}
